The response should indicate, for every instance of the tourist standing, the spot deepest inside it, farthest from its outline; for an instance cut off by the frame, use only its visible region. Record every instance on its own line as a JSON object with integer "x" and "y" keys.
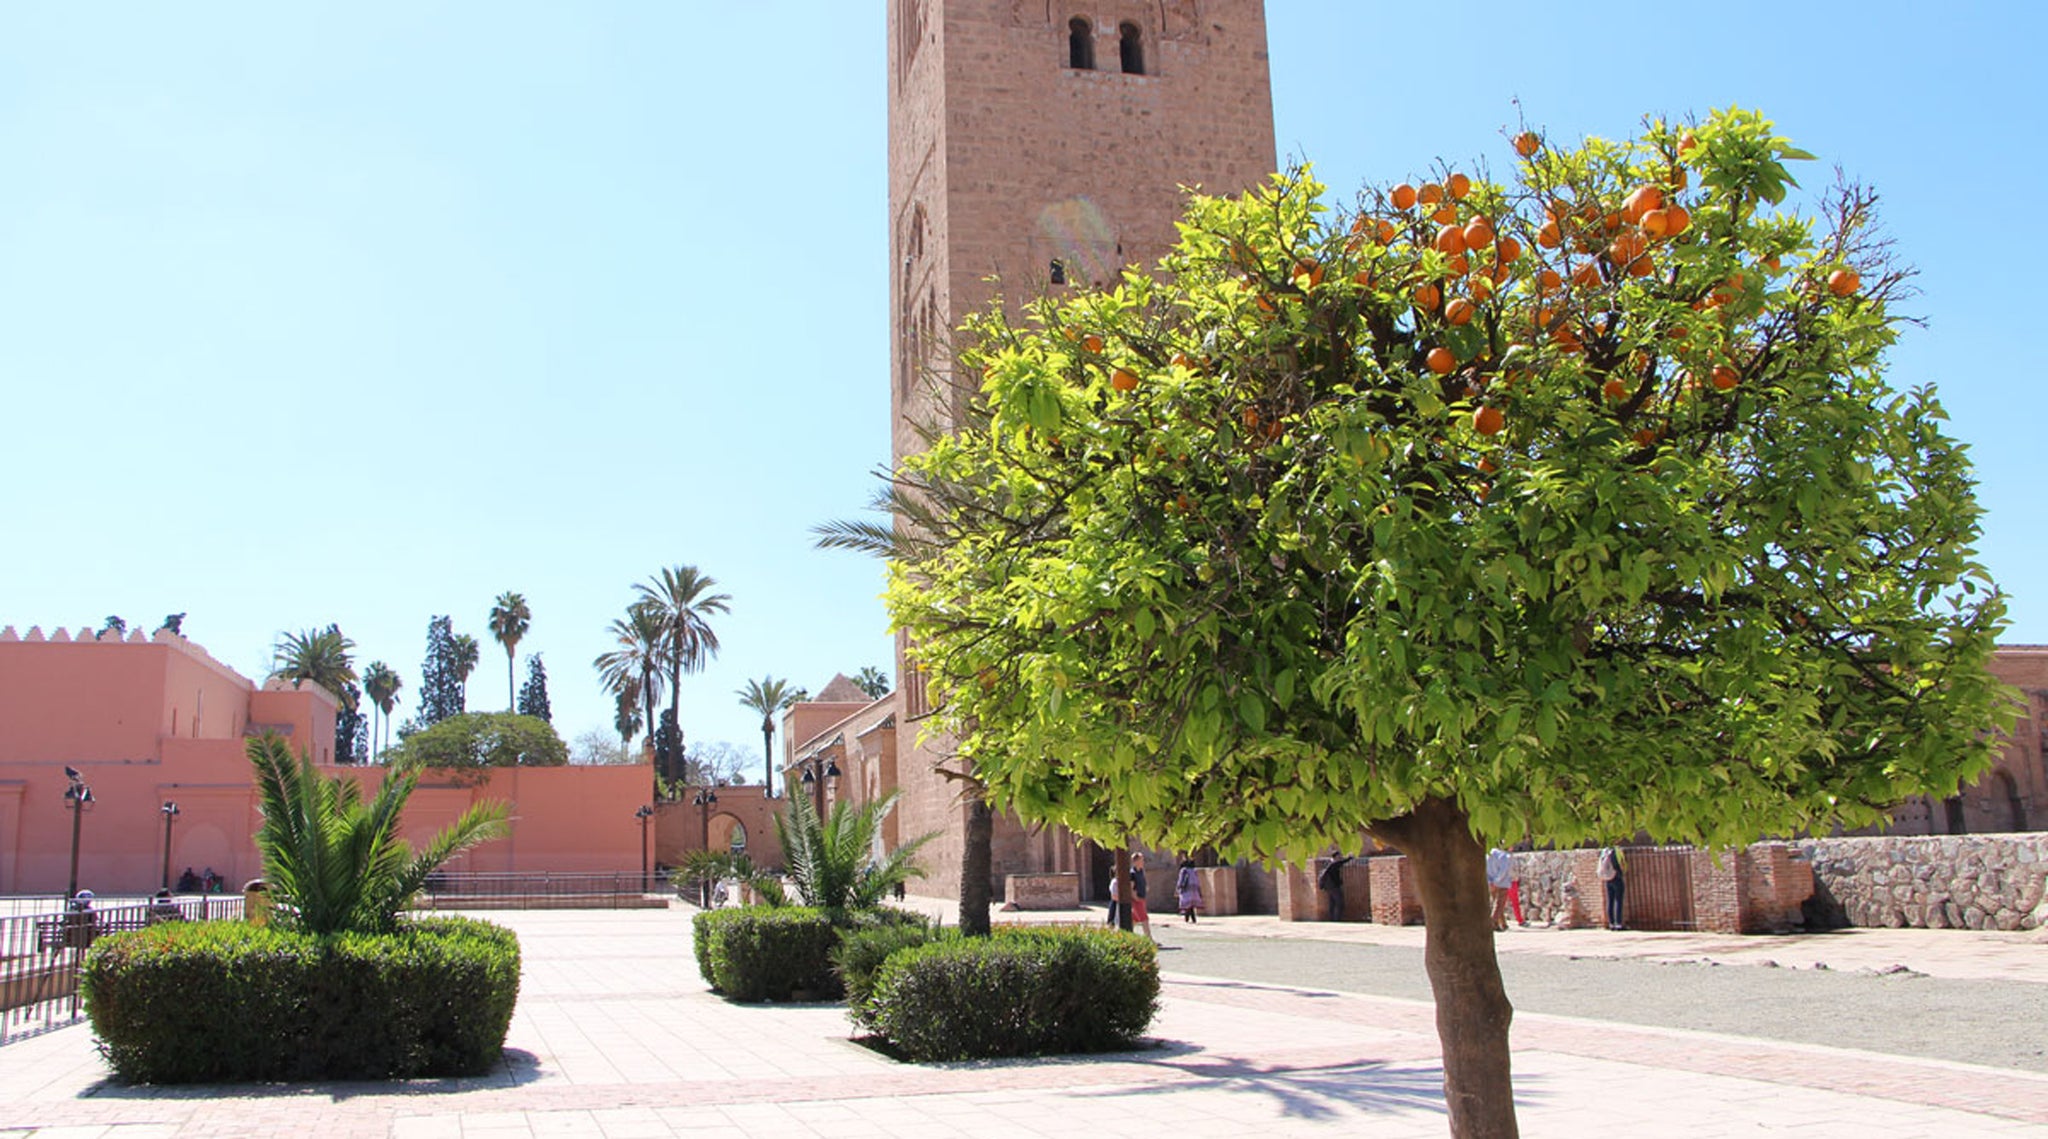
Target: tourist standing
{"x": 1500, "y": 878}
{"x": 1140, "y": 917}
{"x": 1332, "y": 882}
{"x": 1187, "y": 891}
{"x": 1611, "y": 867}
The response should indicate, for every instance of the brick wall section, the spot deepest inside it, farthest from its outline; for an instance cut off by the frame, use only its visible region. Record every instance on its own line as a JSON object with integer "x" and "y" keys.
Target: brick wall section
{"x": 1938, "y": 882}
{"x": 1042, "y": 891}
{"x": 1219, "y": 890}
{"x": 1720, "y": 891}
{"x": 1394, "y": 900}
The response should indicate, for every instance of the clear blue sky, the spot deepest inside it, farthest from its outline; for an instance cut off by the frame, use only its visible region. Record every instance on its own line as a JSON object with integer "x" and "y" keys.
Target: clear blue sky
{"x": 367, "y": 312}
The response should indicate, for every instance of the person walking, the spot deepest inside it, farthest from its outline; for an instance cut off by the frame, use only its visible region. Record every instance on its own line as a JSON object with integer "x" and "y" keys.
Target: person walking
{"x": 1140, "y": 917}
{"x": 1187, "y": 891}
{"x": 1332, "y": 882}
{"x": 1500, "y": 878}
{"x": 1611, "y": 867}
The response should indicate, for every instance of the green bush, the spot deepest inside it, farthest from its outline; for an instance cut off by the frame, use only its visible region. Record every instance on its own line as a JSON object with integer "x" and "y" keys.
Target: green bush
{"x": 484, "y": 739}
{"x": 1023, "y": 992}
{"x": 767, "y": 953}
{"x": 860, "y": 955}
{"x": 218, "y": 1002}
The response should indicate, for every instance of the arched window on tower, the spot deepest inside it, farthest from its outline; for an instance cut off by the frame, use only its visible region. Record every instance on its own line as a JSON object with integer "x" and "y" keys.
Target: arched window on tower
{"x": 1131, "y": 47}
{"x": 1080, "y": 44}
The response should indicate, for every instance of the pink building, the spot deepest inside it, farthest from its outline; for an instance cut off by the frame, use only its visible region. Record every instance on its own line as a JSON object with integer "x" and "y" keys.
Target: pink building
{"x": 148, "y": 721}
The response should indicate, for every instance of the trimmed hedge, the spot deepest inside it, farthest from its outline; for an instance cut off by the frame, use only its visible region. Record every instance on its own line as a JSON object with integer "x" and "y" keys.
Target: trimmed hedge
{"x": 218, "y": 1002}
{"x": 860, "y": 955}
{"x": 767, "y": 953}
{"x": 1020, "y": 992}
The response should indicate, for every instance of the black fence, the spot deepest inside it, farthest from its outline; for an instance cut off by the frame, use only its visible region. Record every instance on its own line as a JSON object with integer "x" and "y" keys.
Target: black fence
{"x": 545, "y": 890}
{"x": 40, "y": 954}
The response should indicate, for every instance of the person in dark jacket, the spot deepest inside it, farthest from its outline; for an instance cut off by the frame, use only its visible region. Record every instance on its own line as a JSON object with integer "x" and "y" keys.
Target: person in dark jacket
{"x": 1332, "y": 882}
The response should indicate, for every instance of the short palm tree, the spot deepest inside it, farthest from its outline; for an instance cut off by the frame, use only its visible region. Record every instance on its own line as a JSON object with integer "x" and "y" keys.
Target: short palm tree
{"x": 462, "y": 661}
{"x": 510, "y": 619}
{"x": 335, "y": 863}
{"x": 684, "y": 601}
{"x": 767, "y": 696}
{"x": 636, "y": 664}
{"x": 320, "y": 656}
{"x": 381, "y": 684}
{"x": 831, "y": 862}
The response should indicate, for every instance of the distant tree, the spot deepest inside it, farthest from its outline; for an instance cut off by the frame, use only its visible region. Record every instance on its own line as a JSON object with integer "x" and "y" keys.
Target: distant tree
{"x": 381, "y": 684}
{"x": 668, "y": 747}
{"x": 626, "y": 718}
{"x": 634, "y": 666}
{"x": 350, "y": 746}
{"x": 175, "y": 622}
{"x": 467, "y": 653}
{"x": 484, "y": 739}
{"x": 114, "y": 625}
{"x": 440, "y": 687}
{"x": 797, "y": 695}
{"x": 323, "y": 658}
{"x": 716, "y": 762}
{"x": 510, "y": 618}
{"x": 597, "y": 747}
{"x": 683, "y": 599}
{"x": 767, "y": 696}
{"x": 873, "y": 682}
{"x": 533, "y": 695}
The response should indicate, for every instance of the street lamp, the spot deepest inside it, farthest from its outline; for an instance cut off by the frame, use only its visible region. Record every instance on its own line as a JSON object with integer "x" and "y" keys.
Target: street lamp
{"x": 815, "y": 766}
{"x": 77, "y": 798}
{"x": 643, "y": 814}
{"x": 705, "y": 799}
{"x": 170, "y": 815}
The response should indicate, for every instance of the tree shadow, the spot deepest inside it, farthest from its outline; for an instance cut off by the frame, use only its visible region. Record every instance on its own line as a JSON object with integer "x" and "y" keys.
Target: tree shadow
{"x": 1310, "y": 1093}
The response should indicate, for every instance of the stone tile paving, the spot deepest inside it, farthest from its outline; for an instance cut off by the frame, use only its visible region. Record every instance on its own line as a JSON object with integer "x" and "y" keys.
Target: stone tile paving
{"x": 616, "y": 1037}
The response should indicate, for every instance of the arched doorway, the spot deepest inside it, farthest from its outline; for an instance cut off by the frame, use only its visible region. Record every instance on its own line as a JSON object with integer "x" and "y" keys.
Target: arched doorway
{"x": 728, "y": 834}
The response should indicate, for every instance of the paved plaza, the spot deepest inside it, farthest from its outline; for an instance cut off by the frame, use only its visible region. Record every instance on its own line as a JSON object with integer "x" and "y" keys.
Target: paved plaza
{"x": 616, "y": 1036}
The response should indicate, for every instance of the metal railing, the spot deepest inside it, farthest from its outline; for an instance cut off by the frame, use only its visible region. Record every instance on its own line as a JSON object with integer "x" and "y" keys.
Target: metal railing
{"x": 41, "y": 953}
{"x": 543, "y": 890}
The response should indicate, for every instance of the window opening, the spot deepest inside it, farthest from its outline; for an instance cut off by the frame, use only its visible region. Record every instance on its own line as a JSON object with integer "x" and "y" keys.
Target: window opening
{"x": 1080, "y": 44}
{"x": 1059, "y": 272}
{"x": 1131, "y": 47}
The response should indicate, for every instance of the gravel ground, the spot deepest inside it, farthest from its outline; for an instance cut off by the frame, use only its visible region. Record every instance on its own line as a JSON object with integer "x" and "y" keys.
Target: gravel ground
{"x": 2001, "y": 1024}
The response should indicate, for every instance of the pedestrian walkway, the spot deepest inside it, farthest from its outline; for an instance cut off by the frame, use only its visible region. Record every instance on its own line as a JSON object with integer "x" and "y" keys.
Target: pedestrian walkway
{"x": 616, "y": 1036}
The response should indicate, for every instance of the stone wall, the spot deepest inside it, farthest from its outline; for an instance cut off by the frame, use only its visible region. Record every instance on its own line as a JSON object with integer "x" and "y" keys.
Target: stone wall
{"x": 1935, "y": 882}
{"x": 1042, "y": 892}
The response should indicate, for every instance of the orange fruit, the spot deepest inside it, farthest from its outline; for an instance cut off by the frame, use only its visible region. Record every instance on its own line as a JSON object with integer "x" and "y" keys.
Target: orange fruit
{"x": 1482, "y": 287}
{"x": 1478, "y": 232}
{"x": 1123, "y": 381}
{"x": 1364, "y": 278}
{"x": 1528, "y": 143}
{"x": 1543, "y": 317}
{"x": 1093, "y": 343}
{"x": 1458, "y": 264}
{"x": 1676, "y": 332}
{"x": 1626, "y": 248}
{"x": 1548, "y": 237}
{"x": 1678, "y": 178}
{"x": 1459, "y": 311}
{"x": 1548, "y": 281}
{"x": 1384, "y": 230}
{"x": 1657, "y": 223}
{"x": 1641, "y": 201}
{"x": 1771, "y": 264}
{"x": 1508, "y": 250}
{"x": 1457, "y": 186}
{"x": 1251, "y": 418}
{"x": 1450, "y": 239}
{"x": 1430, "y": 194}
{"x": 1404, "y": 197}
{"x": 1180, "y": 360}
{"x": 1567, "y": 340}
{"x": 1440, "y": 361}
{"x": 1614, "y": 390}
{"x": 1310, "y": 270}
{"x": 1486, "y": 466}
{"x": 1687, "y": 143}
{"x": 1676, "y": 220}
{"x": 1446, "y": 214}
{"x": 1724, "y": 377}
{"x": 1842, "y": 282}
{"x": 1645, "y": 437}
{"x": 1642, "y": 266}
{"x": 1426, "y": 297}
{"x": 1488, "y": 421}
{"x": 1587, "y": 275}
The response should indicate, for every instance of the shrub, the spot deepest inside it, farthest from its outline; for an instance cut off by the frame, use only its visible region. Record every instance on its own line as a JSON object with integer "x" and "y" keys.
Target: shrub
{"x": 1023, "y": 992}
{"x": 860, "y": 954}
{"x": 762, "y": 953}
{"x": 214, "y": 1002}
{"x": 484, "y": 739}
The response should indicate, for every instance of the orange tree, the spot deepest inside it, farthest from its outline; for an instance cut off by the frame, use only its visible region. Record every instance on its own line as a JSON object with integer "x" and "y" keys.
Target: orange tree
{"x": 1570, "y": 506}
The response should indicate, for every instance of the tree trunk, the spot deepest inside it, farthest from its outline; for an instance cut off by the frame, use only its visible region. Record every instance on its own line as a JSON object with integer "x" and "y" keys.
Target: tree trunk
{"x": 511, "y": 682}
{"x": 975, "y": 860}
{"x": 1472, "y": 1009}
{"x": 767, "y": 757}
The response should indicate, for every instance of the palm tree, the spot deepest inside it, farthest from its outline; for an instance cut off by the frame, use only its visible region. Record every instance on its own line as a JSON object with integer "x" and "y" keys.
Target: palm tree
{"x": 626, "y": 721}
{"x": 832, "y": 862}
{"x": 463, "y": 658}
{"x": 337, "y": 862}
{"x": 682, "y": 598}
{"x": 381, "y": 683}
{"x": 510, "y": 618}
{"x": 767, "y": 696}
{"x": 873, "y": 683}
{"x": 636, "y": 664}
{"x": 321, "y": 657}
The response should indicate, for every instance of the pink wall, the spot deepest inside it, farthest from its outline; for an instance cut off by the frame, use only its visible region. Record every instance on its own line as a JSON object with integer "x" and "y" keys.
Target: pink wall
{"x": 109, "y": 708}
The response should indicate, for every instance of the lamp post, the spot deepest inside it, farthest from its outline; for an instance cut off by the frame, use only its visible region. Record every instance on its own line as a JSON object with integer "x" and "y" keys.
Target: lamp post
{"x": 817, "y": 769}
{"x": 644, "y": 814}
{"x": 704, "y": 800}
{"x": 77, "y": 798}
{"x": 170, "y": 816}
